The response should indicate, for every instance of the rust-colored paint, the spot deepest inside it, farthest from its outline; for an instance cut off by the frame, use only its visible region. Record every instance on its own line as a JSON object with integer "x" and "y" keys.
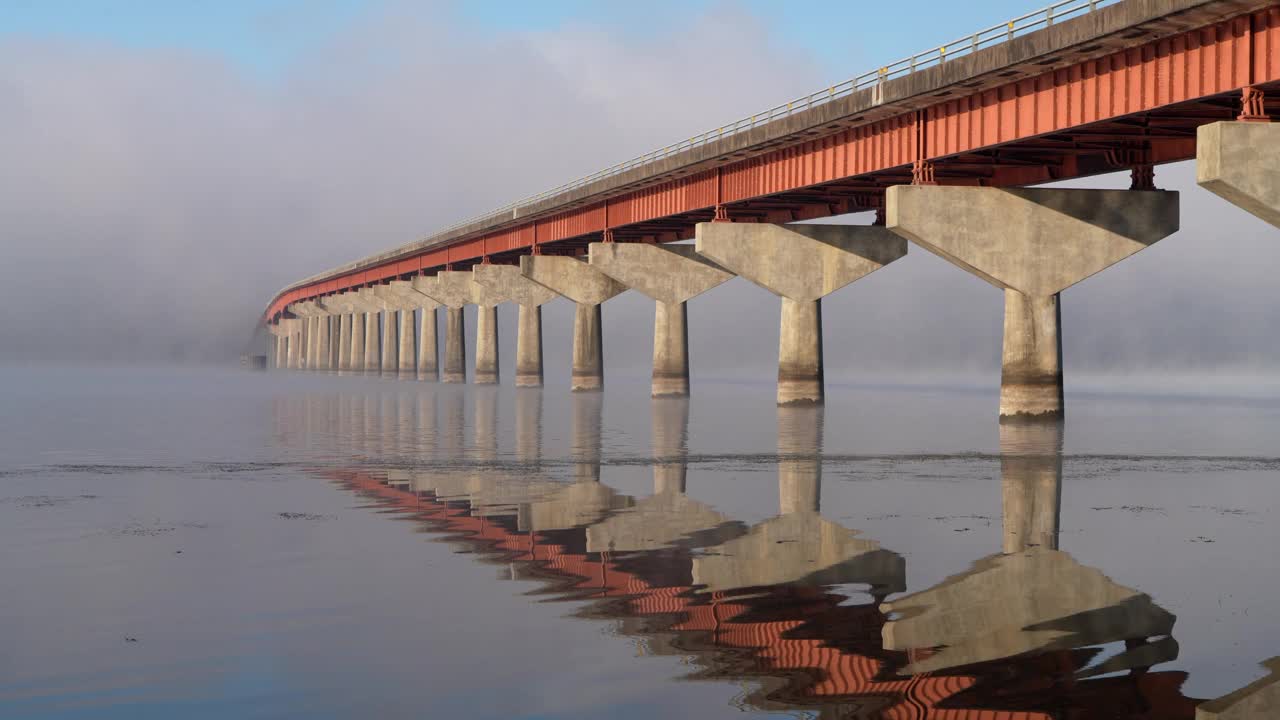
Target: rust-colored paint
{"x": 1218, "y": 60}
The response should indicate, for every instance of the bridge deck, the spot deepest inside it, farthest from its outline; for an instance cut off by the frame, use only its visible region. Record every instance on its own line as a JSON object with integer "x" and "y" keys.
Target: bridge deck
{"x": 1125, "y": 84}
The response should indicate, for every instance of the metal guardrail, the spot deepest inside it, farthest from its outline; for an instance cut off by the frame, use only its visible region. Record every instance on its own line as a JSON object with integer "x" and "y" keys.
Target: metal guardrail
{"x": 966, "y": 45}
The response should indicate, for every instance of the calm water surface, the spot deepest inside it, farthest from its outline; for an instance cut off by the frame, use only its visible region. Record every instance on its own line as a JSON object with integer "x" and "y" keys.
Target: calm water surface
{"x": 216, "y": 543}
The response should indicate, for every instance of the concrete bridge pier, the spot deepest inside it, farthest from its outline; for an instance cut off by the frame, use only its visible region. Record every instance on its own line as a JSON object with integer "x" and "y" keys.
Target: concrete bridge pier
{"x": 455, "y": 349}
{"x": 282, "y": 350}
{"x": 387, "y": 350}
{"x": 372, "y": 344}
{"x": 800, "y": 264}
{"x": 290, "y": 328}
{"x": 344, "y": 340}
{"x": 349, "y": 330}
{"x": 529, "y": 297}
{"x": 1240, "y": 162}
{"x": 1032, "y": 243}
{"x": 404, "y": 299}
{"x": 428, "y": 352}
{"x": 670, "y": 275}
{"x": 486, "y": 372}
{"x": 324, "y": 340}
{"x": 357, "y": 341}
{"x": 457, "y": 288}
{"x": 588, "y": 287}
{"x": 375, "y": 307}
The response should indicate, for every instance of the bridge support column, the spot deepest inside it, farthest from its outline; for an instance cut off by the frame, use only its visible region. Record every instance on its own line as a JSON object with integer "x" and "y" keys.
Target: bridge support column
{"x": 506, "y": 282}
{"x": 529, "y": 347}
{"x": 801, "y": 264}
{"x": 388, "y": 348}
{"x": 357, "y": 341}
{"x": 323, "y": 346}
{"x": 486, "y": 345}
{"x": 1240, "y": 161}
{"x": 1033, "y": 244}
{"x": 292, "y": 330}
{"x": 344, "y": 341}
{"x": 587, "y": 372}
{"x": 588, "y": 287}
{"x": 428, "y": 353}
{"x": 671, "y": 275}
{"x": 282, "y": 349}
{"x": 371, "y": 356}
{"x": 455, "y": 350}
{"x": 407, "y": 344}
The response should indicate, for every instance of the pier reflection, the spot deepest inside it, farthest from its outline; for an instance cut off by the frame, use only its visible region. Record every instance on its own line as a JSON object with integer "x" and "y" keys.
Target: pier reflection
{"x": 819, "y": 615}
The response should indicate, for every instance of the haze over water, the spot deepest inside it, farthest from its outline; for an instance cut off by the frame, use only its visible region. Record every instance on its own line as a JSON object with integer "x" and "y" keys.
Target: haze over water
{"x": 210, "y": 543}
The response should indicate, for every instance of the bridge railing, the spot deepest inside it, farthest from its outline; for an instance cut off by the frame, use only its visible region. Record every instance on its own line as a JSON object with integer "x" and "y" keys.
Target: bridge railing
{"x": 967, "y": 45}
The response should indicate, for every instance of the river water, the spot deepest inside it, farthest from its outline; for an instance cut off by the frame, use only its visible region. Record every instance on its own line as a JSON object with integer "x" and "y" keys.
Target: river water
{"x": 221, "y": 543}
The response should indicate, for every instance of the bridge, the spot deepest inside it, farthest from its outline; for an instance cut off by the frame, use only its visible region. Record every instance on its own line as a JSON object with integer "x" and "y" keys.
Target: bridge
{"x": 945, "y": 147}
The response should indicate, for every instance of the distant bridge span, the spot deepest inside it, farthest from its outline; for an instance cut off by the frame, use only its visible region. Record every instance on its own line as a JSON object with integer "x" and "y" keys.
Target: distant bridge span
{"x": 941, "y": 145}
{"x": 1111, "y": 87}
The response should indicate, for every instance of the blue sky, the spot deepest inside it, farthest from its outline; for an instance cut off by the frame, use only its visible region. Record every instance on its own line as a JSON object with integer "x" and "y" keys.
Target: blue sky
{"x": 265, "y": 36}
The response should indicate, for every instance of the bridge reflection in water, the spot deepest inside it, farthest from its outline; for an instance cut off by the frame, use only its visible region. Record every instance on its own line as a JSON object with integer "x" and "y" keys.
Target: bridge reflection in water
{"x": 1025, "y": 633}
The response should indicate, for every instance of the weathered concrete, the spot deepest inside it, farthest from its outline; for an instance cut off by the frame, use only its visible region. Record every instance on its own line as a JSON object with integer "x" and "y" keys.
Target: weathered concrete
{"x": 324, "y": 341}
{"x": 389, "y": 342}
{"x": 800, "y": 264}
{"x": 486, "y": 345}
{"x": 1259, "y": 700}
{"x": 282, "y": 350}
{"x": 588, "y": 287}
{"x": 454, "y": 289}
{"x": 292, "y": 331}
{"x": 1033, "y": 244}
{"x": 344, "y": 341}
{"x": 375, "y": 307}
{"x": 1240, "y": 161}
{"x": 408, "y": 344}
{"x": 530, "y": 297}
{"x": 353, "y": 303}
{"x": 670, "y": 275}
{"x": 309, "y": 315}
{"x": 455, "y": 346}
{"x": 401, "y": 295}
{"x": 428, "y": 352}
{"x": 372, "y": 344}
{"x": 357, "y": 341}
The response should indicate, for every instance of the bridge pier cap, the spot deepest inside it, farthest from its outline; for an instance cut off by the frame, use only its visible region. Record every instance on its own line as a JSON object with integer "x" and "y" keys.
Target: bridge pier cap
{"x": 1032, "y": 243}
{"x": 1240, "y": 162}
{"x": 529, "y": 297}
{"x": 670, "y": 275}
{"x": 800, "y": 264}
{"x": 588, "y": 287}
